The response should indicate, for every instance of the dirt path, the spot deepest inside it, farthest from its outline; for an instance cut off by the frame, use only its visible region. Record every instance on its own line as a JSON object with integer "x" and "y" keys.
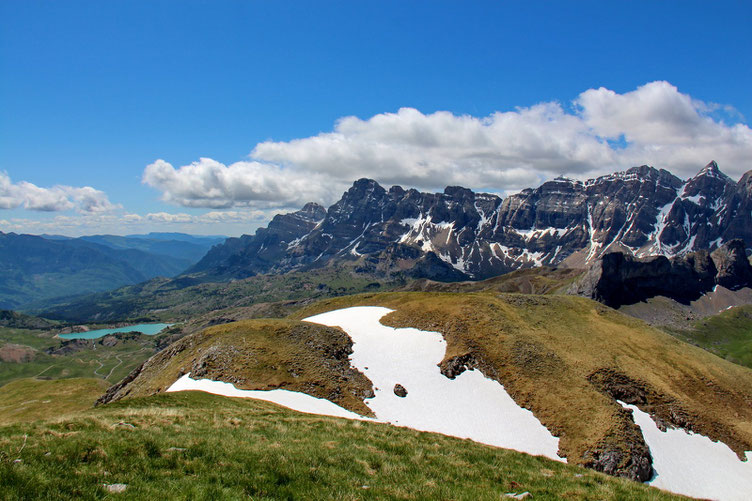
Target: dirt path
{"x": 48, "y": 368}
{"x": 120, "y": 362}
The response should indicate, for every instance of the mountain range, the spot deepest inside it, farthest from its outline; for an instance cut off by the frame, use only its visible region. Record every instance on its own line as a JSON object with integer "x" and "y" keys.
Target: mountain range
{"x": 34, "y": 268}
{"x": 460, "y": 234}
{"x": 603, "y": 374}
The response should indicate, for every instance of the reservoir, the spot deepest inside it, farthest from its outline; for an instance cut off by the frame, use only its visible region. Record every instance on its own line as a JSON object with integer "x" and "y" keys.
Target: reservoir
{"x": 148, "y": 329}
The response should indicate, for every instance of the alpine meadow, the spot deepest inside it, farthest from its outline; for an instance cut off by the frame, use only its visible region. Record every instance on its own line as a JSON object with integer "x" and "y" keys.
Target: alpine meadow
{"x": 375, "y": 250}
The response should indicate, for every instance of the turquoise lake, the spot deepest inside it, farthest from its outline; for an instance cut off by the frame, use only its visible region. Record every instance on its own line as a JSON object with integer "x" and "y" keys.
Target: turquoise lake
{"x": 148, "y": 329}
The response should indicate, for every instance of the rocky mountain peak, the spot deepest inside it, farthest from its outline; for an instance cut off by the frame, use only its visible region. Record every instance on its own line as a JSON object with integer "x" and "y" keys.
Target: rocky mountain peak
{"x": 745, "y": 183}
{"x": 366, "y": 186}
{"x": 312, "y": 212}
{"x": 712, "y": 170}
{"x": 710, "y": 184}
{"x": 458, "y": 192}
{"x": 642, "y": 212}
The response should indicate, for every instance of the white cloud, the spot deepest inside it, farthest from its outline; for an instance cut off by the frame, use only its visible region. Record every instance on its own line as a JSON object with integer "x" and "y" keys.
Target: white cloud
{"x": 209, "y": 217}
{"x": 602, "y": 132}
{"x": 76, "y": 224}
{"x": 208, "y": 183}
{"x": 506, "y": 150}
{"x": 164, "y": 217}
{"x": 58, "y": 198}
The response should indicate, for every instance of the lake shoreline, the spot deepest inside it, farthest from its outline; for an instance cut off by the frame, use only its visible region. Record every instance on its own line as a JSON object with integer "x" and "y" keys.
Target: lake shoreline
{"x": 146, "y": 329}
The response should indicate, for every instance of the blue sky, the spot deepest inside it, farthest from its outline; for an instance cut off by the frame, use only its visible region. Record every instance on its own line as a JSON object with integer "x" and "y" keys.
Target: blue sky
{"x": 92, "y": 93}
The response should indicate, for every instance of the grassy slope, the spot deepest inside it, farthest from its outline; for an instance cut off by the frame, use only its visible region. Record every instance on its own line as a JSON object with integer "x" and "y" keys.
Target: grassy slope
{"x": 543, "y": 280}
{"x": 728, "y": 335}
{"x": 260, "y": 355}
{"x": 544, "y": 348}
{"x": 199, "y": 446}
{"x": 28, "y": 400}
{"x": 179, "y": 299}
{"x": 98, "y": 361}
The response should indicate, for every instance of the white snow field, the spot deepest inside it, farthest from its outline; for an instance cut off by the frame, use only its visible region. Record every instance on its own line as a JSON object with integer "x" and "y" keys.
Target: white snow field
{"x": 694, "y": 465}
{"x": 292, "y": 399}
{"x": 470, "y": 406}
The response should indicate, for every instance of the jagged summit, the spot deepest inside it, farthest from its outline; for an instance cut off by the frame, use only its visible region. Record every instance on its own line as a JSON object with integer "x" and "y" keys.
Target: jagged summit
{"x": 712, "y": 170}
{"x": 462, "y": 234}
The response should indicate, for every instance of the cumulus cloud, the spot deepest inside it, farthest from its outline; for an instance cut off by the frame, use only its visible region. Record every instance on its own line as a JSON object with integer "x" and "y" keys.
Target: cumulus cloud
{"x": 600, "y": 132}
{"x": 58, "y": 198}
{"x": 511, "y": 149}
{"x": 208, "y": 183}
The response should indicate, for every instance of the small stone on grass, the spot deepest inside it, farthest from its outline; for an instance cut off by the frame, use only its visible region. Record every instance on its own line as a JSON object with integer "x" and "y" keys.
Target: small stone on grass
{"x": 115, "y": 488}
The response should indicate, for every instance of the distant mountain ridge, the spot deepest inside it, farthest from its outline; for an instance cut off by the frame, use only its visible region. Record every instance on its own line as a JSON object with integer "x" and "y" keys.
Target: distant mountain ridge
{"x": 460, "y": 234}
{"x": 181, "y": 246}
{"x": 36, "y": 268}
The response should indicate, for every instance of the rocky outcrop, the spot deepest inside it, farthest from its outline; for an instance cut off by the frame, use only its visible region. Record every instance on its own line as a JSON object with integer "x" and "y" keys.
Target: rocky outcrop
{"x": 263, "y": 252}
{"x": 454, "y": 366}
{"x": 618, "y": 278}
{"x": 734, "y": 270}
{"x": 261, "y": 354}
{"x": 460, "y": 234}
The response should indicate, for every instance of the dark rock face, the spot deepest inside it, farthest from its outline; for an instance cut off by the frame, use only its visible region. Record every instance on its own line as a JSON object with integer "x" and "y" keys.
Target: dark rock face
{"x": 455, "y": 366}
{"x": 265, "y": 251}
{"x": 734, "y": 270}
{"x": 459, "y": 234}
{"x": 635, "y": 464}
{"x": 617, "y": 278}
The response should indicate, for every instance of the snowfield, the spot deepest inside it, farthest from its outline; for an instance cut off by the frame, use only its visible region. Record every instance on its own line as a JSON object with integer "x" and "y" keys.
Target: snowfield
{"x": 292, "y": 399}
{"x": 470, "y": 406}
{"x": 694, "y": 465}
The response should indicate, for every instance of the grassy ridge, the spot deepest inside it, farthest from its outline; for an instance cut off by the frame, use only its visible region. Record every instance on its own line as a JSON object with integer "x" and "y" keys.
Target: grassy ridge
{"x": 543, "y": 280}
{"x": 199, "y": 446}
{"x": 567, "y": 358}
{"x": 260, "y": 354}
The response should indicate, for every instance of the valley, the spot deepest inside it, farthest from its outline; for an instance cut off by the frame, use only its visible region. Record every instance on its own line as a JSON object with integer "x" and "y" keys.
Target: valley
{"x": 558, "y": 351}
{"x": 375, "y": 250}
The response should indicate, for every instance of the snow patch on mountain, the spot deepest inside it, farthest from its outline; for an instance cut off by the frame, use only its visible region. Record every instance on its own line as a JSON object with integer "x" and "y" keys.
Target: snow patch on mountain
{"x": 694, "y": 465}
{"x": 469, "y": 406}
{"x": 300, "y": 402}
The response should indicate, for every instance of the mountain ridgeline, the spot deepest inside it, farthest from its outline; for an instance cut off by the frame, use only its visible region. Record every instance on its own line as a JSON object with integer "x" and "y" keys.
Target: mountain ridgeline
{"x": 459, "y": 234}
{"x": 35, "y": 268}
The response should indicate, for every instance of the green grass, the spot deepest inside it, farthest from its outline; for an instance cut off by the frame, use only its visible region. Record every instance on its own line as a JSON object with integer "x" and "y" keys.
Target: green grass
{"x": 545, "y": 350}
{"x": 200, "y": 446}
{"x": 728, "y": 335}
{"x": 28, "y": 400}
{"x": 261, "y": 354}
{"x": 37, "y": 339}
{"x": 105, "y": 362}
{"x": 181, "y": 298}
